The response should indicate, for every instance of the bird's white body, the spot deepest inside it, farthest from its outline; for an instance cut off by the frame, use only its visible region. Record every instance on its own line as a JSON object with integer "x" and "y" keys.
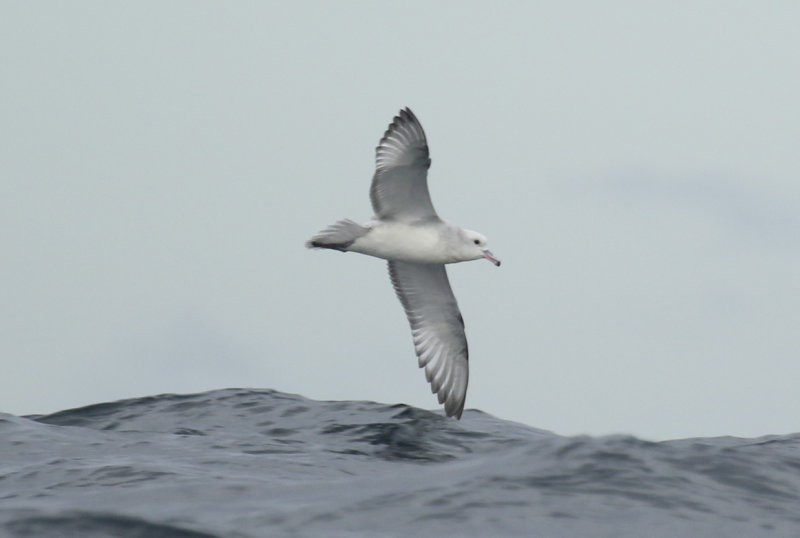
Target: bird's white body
{"x": 417, "y": 243}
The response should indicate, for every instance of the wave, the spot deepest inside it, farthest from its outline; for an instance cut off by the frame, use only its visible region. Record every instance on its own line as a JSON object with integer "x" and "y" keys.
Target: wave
{"x": 242, "y": 462}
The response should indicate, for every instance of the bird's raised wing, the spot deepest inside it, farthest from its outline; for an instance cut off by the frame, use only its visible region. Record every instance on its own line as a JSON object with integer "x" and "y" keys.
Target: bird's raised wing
{"x": 399, "y": 188}
{"x": 437, "y": 328}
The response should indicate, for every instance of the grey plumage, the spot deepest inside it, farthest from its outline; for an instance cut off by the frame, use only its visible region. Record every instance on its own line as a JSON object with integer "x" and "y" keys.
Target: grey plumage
{"x": 437, "y": 328}
{"x": 399, "y": 187}
{"x": 338, "y": 236}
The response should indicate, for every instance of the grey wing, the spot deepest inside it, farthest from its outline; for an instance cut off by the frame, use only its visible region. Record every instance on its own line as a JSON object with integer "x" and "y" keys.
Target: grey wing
{"x": 437, "y": 328}
{"x": 400, "y": 185}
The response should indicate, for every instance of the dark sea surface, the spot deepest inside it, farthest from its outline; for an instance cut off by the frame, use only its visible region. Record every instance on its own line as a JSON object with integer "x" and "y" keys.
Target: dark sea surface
{"x": 261, "y": 463}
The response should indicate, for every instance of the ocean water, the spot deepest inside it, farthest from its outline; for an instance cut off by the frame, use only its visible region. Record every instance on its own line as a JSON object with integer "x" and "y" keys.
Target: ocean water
{"x": 261, "y": 463}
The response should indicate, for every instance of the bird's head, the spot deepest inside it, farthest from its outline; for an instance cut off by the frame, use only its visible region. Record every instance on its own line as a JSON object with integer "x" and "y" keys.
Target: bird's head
{"x": 477, "y": 246}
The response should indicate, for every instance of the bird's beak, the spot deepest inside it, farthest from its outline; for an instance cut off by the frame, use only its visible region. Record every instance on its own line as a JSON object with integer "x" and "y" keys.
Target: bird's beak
{"x": 489, "y": 256}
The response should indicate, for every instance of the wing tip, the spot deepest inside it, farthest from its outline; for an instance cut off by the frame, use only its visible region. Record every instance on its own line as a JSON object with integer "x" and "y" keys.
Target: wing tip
{"x": 407, "y": 114}
{"x": 455, "y": 412}
{"x": 405, "y": 129}
{"x": 454, "y": 401}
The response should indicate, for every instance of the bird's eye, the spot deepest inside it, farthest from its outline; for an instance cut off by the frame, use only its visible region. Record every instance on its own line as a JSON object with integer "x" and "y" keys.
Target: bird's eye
{"x": 477, "y": 241}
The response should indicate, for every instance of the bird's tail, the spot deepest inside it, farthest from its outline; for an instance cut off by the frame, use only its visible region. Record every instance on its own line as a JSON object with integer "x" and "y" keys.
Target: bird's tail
{"x": 338, "y": 236}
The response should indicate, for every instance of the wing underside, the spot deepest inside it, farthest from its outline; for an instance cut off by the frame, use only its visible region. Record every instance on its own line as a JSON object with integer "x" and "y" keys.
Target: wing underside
{"x": 400, "y": 185}
{"x": 437, "y": 329}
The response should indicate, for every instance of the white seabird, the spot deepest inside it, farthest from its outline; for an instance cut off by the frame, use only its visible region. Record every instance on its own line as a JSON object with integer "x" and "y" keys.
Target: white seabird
{"x": 408, "y": 233}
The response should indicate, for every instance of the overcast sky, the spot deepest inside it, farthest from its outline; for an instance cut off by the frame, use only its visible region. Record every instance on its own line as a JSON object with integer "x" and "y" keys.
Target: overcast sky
{"x": 634, "y": 164}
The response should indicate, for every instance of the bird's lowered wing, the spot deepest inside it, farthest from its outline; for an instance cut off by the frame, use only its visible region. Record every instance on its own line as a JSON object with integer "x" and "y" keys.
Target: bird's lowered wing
{"x": 437, "y": 328}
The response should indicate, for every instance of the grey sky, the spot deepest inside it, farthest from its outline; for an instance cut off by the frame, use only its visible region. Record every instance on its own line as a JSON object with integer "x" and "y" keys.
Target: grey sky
{"x": 633, "y": 164}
